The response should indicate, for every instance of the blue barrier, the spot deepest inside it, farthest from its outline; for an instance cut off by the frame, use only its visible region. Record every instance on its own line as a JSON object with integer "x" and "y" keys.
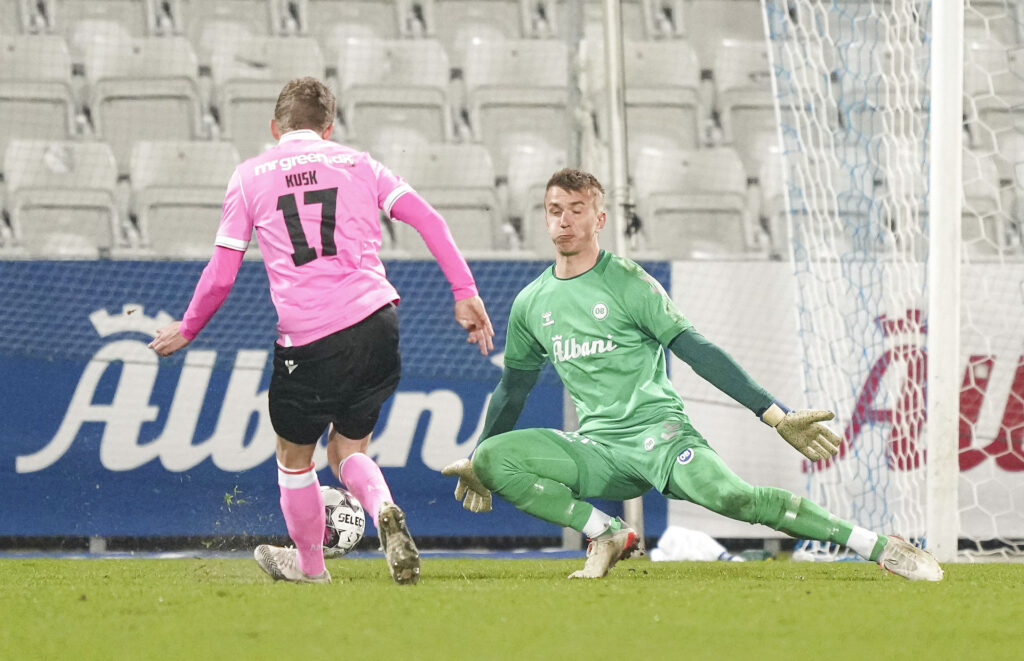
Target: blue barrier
{"x": 100, "y": 437}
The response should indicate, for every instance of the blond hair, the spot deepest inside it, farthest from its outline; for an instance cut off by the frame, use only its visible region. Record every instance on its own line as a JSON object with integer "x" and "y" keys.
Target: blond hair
{"x": 304, "y": 103}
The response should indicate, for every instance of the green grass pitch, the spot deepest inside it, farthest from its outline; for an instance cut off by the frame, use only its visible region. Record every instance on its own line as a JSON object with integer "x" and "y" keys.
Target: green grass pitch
{"x": 485, "y": 609}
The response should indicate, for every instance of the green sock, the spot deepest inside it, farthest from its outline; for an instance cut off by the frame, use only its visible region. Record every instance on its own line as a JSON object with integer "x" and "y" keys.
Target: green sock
{"x": 799, "y": 517}
{"x": 547, "y": 499}
{"x": 879, "y": 545}
{"x": 805, "y": 519}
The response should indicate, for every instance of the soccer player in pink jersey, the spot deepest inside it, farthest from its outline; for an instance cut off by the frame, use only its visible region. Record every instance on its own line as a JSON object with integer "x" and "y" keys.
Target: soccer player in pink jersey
{"x": 314, "y": 206}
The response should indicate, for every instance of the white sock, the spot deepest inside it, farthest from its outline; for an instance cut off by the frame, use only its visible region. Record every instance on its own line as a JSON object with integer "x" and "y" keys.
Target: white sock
{"x": 862, "y": 541}
{"x": 596, "y": 524}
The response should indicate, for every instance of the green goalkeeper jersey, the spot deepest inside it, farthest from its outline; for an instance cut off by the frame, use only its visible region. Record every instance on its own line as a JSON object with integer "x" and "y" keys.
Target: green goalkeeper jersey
{"x": 604, "y": 331}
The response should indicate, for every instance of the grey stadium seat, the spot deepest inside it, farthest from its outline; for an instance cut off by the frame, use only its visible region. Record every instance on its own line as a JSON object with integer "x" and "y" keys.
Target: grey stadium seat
{"x": 177, "y": 194}
{"x": 693, "y": 202}
{"x": 61, "y": 198}
{"x": 394, "y": 83}
{"x": 36, "y": 95}
{"x": 144, "y": 88}
{"x": 517, "y": 90}
{"x": 458, "y": 181}
{"x": 248, "y": 77}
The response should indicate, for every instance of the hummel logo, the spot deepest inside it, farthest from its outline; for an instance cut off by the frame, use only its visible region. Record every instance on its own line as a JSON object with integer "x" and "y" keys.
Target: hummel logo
{"x": 290, "y": 364}
{"x": 547, "y": 319}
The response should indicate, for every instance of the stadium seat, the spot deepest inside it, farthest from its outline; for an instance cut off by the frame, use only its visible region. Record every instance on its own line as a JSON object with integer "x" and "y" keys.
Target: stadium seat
{"x": 392, "y": 136}
{"x": 877, "y": 84}
{"x": 516, "y": 91}
{"x": 217, "y": 32}
{"x": 1010, "y": 163}
{"x": 662, "y": 81}
{"x": 743, "y": 89}
{"x": 1008, "y": 154}
{"x": 143, "y": 89}
{"x": 994, "y": 91}
{"x": 335, "y": 38}
{"x": 259, "y": 16}
{"x": 693, "y": 203}
{"x": 666, "y": 19}
{"x": 864, "y": 209}
{"x": 325, "y": 19}
{"x": 36, "y": 95}
{"x": 133, "y": 15}
{"x": 708, "y": 23}
{"x": 11, "y": 21}
{"x": 772, "y": 202}
{"x": 91, "y": 33}
{"x": 61, "y": 199}
{"x": 987, "y": 230}
{"x": 529, "y": 168}
{"x": 248, "y": 77}
{"x": 210, "y": 23}
{"x": 997, "y": 21}
{"x": 457, "y": 22}
{"x": 394, "y": 83}
{"x": 458, "y": 180}
{"x": 177, "y": 194}
{"x": 984, "y": 226}
{"x": 755, "y": 148}
{"x": 843, "y": 189}
{"x": 29, "y": 16}
{"x": 635, "y": 16}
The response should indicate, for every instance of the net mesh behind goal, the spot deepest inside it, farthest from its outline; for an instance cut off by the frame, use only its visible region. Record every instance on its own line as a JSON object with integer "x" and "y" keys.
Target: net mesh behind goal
{"x": 853, "y": 103}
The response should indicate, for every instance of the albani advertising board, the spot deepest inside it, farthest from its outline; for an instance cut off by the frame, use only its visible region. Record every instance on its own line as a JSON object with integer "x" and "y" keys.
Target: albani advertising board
{"x": 100, "y": 436}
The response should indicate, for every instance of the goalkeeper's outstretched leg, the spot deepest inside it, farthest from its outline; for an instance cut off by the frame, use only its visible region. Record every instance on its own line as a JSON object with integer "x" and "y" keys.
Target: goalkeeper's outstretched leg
{"x": 708, "y": 482}
{"x": 543, "y": 473}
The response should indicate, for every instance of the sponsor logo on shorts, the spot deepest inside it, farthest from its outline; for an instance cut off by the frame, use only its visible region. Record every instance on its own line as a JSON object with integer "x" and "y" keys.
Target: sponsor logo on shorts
{"x": 685, "y": 457}
{"x": 600, "y": 311}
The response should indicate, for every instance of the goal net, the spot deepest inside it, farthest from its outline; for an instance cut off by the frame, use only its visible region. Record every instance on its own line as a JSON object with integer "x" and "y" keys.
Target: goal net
{"x": 853, "y": 102}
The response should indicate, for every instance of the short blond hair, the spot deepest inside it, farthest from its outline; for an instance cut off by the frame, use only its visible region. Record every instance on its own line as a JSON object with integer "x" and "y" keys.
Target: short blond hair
{"x": 304, "y": 103}
{"x": 573, "y": 180}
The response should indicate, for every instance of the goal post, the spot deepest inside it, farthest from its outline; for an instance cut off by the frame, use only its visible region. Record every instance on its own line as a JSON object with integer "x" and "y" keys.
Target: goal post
{"x": 945, "y": 205}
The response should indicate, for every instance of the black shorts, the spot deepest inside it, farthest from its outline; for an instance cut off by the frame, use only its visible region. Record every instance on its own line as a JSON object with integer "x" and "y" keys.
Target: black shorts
{"x": 342, "y": 379}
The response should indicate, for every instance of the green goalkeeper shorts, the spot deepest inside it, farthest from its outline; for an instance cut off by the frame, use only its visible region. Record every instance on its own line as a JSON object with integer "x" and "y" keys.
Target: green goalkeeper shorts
{"x": 602, "y": 464}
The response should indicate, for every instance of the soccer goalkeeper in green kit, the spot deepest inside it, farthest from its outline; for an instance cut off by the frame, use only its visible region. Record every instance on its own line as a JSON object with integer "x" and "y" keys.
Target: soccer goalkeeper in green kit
{"x": 603, "y": 322}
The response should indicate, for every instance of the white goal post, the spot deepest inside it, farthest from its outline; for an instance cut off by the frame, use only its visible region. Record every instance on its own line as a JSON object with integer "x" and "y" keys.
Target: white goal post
{"x": 945, "y": 202}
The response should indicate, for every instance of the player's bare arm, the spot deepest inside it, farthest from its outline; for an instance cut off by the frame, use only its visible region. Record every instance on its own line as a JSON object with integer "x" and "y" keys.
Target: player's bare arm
{"x": 471, "y": 314}
{"x": 212, "y": 289}
{"x": 169, "y": 339}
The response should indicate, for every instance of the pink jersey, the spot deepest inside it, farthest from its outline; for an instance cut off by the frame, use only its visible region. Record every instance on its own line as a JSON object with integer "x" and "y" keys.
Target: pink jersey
{"x": 314, "y": 205}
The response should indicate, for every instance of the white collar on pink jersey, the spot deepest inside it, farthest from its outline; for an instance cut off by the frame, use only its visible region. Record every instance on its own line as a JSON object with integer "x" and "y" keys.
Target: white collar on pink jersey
{"x": 300, "y": 134}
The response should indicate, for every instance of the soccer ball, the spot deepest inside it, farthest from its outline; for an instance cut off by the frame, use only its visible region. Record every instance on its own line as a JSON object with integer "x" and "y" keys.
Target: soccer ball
{"x": 346, "y": 521}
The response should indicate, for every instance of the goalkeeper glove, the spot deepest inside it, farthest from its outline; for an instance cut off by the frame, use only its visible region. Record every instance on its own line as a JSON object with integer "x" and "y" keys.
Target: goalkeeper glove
{"x": 803, "y": 430}
{"x": 470, "y": 490}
